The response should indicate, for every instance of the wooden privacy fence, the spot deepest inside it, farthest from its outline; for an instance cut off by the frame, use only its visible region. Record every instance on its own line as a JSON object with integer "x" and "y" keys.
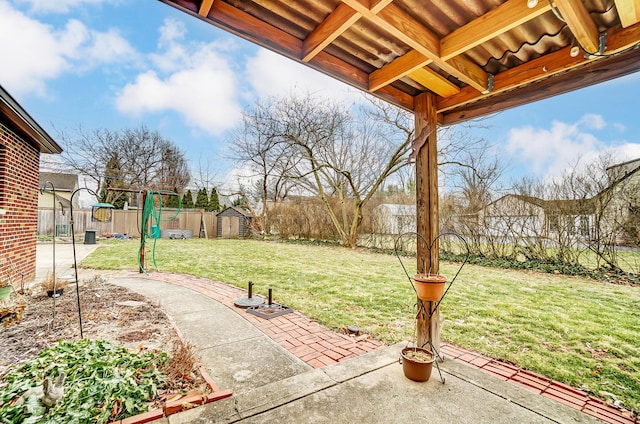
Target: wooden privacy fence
{"x": 123, "y": 222}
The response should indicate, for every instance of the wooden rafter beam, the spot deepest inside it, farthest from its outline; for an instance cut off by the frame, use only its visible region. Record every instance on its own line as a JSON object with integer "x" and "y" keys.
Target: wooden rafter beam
{"x": 541, "y": 68}
{"x": 402, "y": 26}
{"x": 413, "y": 65}
{"x": 510, "y": 87}
{"x": 331, "y": 28}
{"x": 416, "y": 36}
{"x": 496, "y": 22}
{"x": 595, "y": 72}
{"x": 338, "y": 21}
{"x": 503, "y": 18}
{"x": 395, "y": 70}
{"x": 580, "y": 23}
{"x": 238, "y": 22}
{"x": 629, "y": 12}
{"x": 205, "y": 7}
{"x": 434, "y": 81}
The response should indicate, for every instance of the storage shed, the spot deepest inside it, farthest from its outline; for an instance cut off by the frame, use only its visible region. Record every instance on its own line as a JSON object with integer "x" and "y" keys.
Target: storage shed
{"x": 233, "y": 222}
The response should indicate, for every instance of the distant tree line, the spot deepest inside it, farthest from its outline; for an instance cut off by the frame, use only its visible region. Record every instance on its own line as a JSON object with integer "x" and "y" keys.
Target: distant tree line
{"x": 204, "y": 200}
{"x": 121, "y": 162}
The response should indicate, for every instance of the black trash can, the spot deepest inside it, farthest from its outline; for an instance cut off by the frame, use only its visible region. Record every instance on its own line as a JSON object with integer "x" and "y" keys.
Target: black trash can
{"x": 90, "y": 237}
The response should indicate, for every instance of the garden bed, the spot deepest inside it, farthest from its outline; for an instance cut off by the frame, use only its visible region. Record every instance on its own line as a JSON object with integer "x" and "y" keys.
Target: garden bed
{"x": 115, "y": 315}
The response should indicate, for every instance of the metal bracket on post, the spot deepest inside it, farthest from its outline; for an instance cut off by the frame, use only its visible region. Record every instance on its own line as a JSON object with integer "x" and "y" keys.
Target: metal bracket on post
{"x": 489, "y": 84}
{"x": 602, "y": 46}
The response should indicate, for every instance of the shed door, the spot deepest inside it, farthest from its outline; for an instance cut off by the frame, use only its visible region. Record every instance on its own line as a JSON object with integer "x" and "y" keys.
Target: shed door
{"x": 230, "y": 226}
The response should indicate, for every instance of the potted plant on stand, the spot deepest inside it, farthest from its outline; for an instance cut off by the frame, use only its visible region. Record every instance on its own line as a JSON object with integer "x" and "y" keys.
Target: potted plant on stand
{"x": 430, "y": 286}
{"x": 417, "y": 363}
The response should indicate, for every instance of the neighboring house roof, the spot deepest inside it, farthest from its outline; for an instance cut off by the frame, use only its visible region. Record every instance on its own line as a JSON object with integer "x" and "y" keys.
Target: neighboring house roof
{"x": 23, "y": 122}
{"x": 65, "y": 203}
{"x": 630, "y": 165}
{"x": 572, "y": 207}
{"x": 566, "y": 207}
{"x": 622, "y": 171}
{"x": 61, "y": 182}
{"x": 527, "y": 199}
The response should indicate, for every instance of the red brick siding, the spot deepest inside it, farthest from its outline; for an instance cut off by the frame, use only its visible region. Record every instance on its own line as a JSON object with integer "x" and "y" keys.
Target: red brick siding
{"x": 19, "y": 167}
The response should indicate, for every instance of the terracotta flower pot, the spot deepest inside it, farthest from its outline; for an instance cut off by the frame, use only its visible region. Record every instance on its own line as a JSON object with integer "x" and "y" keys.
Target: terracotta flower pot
{"x": 417, "y": 363}
{"x": 430, "y": 286}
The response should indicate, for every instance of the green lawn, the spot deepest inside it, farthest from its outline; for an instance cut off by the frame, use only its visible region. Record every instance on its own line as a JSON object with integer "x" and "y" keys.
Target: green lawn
{"x": 577, "y": 331}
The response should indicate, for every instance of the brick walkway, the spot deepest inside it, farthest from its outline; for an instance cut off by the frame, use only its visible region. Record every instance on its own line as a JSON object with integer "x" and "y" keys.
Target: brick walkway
{"x": 311, "y": 342}
{"x": 318, "y": 346}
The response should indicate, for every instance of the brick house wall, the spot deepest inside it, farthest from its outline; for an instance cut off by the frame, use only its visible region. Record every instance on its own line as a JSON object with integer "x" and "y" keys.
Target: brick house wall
{"x": 21, "y": 142}
{"x": 19, "y": 165}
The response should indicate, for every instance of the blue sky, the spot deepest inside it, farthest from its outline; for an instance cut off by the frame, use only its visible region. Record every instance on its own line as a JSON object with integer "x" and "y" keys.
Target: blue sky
{"x": 123, "y": 63}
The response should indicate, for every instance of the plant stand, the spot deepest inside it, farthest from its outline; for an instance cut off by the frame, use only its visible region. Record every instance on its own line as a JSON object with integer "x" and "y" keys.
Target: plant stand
{"x": 430, "y": 291}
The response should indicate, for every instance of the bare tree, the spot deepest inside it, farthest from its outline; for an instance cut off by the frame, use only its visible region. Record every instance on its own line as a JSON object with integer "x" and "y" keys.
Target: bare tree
{"x": 475, "y": 171}
{"x": 256, "y": 146}
{"x": 615, "y": 209}
{"x": 584, "y": 210}
{"x": 136, "y": 158}
{"x": 345, "y": 156}
{"x": 204, "y": 175}
{"x": 321, "y": 148}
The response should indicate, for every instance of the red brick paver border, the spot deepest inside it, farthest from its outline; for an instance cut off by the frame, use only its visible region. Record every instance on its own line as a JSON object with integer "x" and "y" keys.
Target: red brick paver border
{"x": 319, "y": 346}
{"x": 559, "y": 392}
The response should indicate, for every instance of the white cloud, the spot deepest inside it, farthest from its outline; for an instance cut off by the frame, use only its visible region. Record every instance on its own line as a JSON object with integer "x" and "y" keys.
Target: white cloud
{"x": 40, "y": 52}
{"x": 271, "y": 74}
{"x": 60, "y": 6}
{"x": 171, "y": 32}
{"x": 550, "y": 152}
{"x": 107, "y": 47}
{"x": 201, "y": 81}
{"x": 238, "y": 176}
{"x": 624, "y": 152}
{"x": 619, "y": 126}
{"x": 194, "y": 80}
{"x": 36, "y": 54}
{"x": 593, "y": 121}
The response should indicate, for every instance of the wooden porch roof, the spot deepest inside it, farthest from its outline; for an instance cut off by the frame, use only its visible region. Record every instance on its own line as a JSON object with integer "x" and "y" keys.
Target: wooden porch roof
{"x": 477, "y": 56}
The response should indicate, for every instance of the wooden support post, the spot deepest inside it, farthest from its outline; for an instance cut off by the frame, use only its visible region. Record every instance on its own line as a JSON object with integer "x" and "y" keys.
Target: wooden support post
{"x": 428, "y": 329}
